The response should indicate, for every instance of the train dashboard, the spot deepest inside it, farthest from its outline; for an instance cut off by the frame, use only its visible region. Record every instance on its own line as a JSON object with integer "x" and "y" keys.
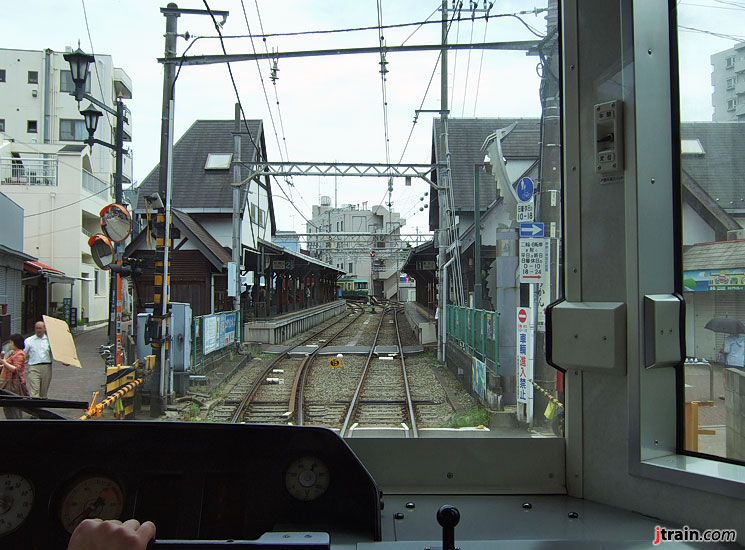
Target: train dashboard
{"x": 207, "y": 482}
{"x": 271, "y": 487}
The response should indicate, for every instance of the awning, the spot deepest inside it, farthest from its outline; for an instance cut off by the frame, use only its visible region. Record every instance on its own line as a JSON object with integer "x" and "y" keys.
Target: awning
{"x": 34, "y": 266}
{"x": 38, "y": 269}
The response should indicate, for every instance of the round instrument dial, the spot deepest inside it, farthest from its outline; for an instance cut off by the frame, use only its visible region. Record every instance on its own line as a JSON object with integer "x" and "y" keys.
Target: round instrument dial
{"x": 91, "y": 497}
{"x": 16, "y": 499}
{"x": 307, "y": 478}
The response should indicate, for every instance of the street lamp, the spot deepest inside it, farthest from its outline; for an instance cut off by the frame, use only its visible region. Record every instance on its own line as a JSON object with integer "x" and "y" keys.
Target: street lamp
{"x": 79, "y": 70}
{"x": 79, "y": 62}
{"x": 91, "y": 116}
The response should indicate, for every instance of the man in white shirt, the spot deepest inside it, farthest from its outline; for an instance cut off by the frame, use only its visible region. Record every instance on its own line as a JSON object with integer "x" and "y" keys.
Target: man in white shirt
{"x": 38, "y": 362}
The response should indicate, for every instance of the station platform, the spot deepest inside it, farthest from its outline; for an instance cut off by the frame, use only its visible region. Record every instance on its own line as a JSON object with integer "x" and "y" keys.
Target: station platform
{"x": 277, "y": 329}
{"x": 422, "y": 322}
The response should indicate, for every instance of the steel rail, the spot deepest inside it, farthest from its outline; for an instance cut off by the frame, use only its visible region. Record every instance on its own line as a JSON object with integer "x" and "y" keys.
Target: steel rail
{"x": 409, "y": 402}
{"x": 356, "y": 397}
{"x": 259, "y": 379}
{"x": 298, "y": 389}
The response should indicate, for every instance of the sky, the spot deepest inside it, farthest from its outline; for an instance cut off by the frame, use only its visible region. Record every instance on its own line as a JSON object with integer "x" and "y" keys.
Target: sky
{"x": 331, "y": 108}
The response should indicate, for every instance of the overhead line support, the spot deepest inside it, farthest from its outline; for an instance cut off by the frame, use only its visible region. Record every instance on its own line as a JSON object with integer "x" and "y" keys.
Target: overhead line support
{"x": 518, "y": 45}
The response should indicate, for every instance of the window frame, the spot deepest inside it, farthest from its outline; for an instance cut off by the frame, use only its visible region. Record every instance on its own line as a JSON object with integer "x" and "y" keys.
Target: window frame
{"x": 35, "y": 129}
{"x": 2, "y": 75}
{"x": 78, "y": 123}
{"x": 32, "y": 77}
{"x": 2, "y": 125}
{"x": 63, "y": 87}
{"x": 657, "y": 433}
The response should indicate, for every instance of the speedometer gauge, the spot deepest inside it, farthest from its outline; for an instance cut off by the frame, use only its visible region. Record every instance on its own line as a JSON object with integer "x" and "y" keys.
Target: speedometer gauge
{"x": 93, "y": 496}
{"x": 16, "y": 499}
{"x": 307, "y": 478}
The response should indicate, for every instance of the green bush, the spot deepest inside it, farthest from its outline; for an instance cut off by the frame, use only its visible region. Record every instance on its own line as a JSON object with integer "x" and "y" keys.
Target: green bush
{"x": 477, "y": 416}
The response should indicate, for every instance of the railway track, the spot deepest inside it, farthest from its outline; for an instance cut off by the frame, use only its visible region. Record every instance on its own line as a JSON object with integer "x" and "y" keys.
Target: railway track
{"x": 270, "y": 399}
{"x": 382, "y": 397}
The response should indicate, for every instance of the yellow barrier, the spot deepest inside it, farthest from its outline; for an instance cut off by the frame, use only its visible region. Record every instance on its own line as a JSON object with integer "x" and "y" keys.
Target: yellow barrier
{"x": 96, "y": 408}
{"x": 550, "y": 397}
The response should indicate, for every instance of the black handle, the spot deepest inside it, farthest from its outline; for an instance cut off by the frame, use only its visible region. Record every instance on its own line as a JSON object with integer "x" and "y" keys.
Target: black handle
{"x": 448, "y": 516}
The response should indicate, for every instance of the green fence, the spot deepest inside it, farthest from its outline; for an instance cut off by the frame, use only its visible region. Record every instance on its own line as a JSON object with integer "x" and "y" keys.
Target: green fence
{"x": 475, "y": 330}
{"x": 214, "y": 337}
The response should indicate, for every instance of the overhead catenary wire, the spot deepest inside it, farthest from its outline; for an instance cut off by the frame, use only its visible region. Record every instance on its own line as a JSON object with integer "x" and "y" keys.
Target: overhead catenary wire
{"x": 481, "y": 63}
{"x": 383, "y": 72}
{"x": 240, "y": 104}
{"x": 535, "y": 11}
{"x": 95, "y": 65}
{"x": 276, "y": 97}
{"x": 468, "y": 70}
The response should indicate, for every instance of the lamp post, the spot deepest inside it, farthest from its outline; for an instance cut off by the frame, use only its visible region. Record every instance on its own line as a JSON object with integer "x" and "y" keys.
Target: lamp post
{"x": 79, "y": 69}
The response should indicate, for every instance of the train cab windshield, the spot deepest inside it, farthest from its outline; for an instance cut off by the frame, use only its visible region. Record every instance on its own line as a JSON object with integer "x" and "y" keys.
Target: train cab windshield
{"x": 535, "y": 338}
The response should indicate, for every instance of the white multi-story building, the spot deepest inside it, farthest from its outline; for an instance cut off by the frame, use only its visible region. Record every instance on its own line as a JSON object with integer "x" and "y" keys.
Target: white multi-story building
{"x": 728, "y": 80}
{"x": 366, "y": 244}
{"x": 61, "y": 184}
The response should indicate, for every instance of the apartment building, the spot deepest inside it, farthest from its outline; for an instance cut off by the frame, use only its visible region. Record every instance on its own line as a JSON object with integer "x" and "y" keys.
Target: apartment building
{"x": 60, "y": 183}
{"x": 728, "y": 80}
{"x": 364, "y": 243}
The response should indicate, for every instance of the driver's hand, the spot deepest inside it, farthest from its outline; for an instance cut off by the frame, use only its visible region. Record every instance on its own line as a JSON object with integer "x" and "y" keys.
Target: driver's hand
{"x": 96, "y": 534}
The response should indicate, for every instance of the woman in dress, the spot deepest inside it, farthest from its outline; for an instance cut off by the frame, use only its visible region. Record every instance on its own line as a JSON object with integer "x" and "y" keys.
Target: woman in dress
{"x": 14, "y": 373}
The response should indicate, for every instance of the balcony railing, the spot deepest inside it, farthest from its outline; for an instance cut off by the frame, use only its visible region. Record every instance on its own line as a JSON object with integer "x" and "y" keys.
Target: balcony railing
{"x": 95, "y": 186}
{"x": 28, "y": 170}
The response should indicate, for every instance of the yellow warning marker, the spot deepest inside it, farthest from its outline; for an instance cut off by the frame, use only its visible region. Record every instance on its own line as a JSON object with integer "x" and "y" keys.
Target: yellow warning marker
{"x": 334, "y": 363}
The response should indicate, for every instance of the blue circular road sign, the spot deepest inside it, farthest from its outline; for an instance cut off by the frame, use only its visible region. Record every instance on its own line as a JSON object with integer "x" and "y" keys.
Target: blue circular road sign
{"x": 525, "y": 189}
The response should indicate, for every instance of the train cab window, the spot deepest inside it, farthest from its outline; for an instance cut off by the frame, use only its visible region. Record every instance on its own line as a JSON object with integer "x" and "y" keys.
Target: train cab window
{"x": 713, "y": 241}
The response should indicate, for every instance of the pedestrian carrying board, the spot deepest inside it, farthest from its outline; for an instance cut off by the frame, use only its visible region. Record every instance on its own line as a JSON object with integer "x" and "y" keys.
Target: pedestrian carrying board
{"x": 61, "y": 342}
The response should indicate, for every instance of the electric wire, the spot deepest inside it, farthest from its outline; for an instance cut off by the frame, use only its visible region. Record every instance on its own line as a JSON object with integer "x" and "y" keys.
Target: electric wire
{"x": 729, "y": 3}
{"x": 535, "y": 11}
{"x": 712, "y": 33}
{"x": 288, "y": 179}
{"x": 95, "y": 65}
{"x": 263, "y": 86}
{"x": 240, "y": 106}
{"x": 383, "y": 72}
{"x": 420, "y": 25}
{"x": 426, "y": 92}
{"x": 457, "y": 8}
{"x": 709, "y": 6}
{"x": 481, "y": 63}
{"x": 69, "y": 204}
{"x": 468, "y": 70}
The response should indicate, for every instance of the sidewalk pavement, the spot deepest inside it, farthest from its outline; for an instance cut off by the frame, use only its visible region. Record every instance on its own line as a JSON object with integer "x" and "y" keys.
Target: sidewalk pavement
{"x": 74, "y": 384}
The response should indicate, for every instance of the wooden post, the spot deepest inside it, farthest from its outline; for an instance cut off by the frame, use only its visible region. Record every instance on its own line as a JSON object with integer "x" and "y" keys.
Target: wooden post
{"x": 692, "y": 430}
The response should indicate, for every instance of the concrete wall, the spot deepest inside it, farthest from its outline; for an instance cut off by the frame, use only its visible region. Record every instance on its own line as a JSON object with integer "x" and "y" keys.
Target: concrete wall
{"x": 56, "y": 219}
{"x": 44, "y": 103}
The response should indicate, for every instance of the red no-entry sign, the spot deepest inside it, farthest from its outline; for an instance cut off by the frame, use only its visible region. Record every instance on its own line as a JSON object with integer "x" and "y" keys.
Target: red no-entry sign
{"x": 522, "y": 315}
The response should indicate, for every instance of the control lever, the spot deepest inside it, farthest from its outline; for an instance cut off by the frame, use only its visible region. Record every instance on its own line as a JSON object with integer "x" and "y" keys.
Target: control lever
{"x": 448, "y": 517}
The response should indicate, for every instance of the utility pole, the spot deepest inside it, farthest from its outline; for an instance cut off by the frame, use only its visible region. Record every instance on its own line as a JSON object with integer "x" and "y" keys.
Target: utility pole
{"x": 237, "y": 207}
{"x": 161, "y": 286}
{"x": 549, "y": 205}
{"x": 442, "y": 291}
{"x": 477, "y": 289}
{"x": 162, "y": 283}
